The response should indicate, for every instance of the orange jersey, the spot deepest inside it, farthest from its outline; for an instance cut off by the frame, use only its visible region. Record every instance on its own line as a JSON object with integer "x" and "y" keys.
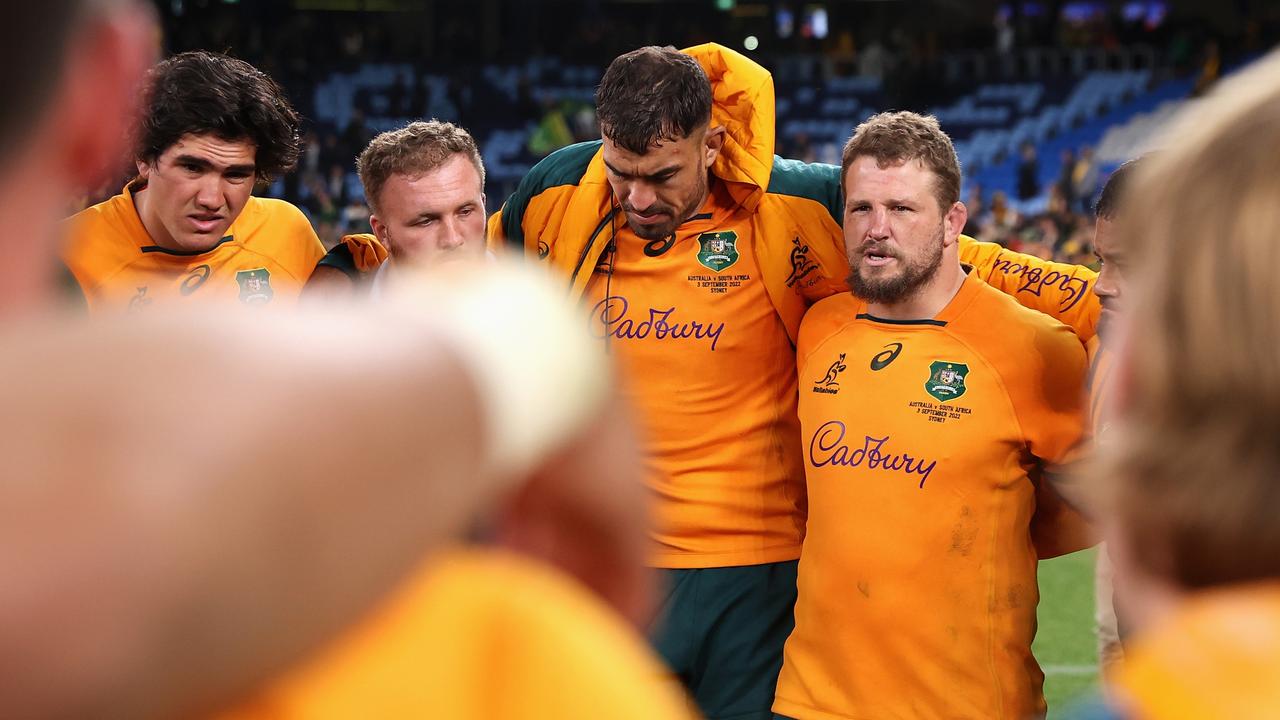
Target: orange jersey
{"x": 1216, "y": 657}
{"x": 923, "y": 444}
{"x": 266, "y": 257}
{"x": 708, "y": 363}
{"x": 479, "y": 636}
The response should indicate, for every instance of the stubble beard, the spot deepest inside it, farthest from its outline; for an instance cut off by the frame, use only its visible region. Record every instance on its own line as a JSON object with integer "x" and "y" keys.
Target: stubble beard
{"x": 914, "y": 275}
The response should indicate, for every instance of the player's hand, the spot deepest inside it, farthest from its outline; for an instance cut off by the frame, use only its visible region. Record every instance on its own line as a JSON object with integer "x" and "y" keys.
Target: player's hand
{"x": 586, "y": 511}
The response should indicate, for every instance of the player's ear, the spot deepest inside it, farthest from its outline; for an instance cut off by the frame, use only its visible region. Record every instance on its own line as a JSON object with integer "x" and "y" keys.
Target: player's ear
{"x": 712, "y": 144}
{"x": 379, "y": 230}
{"x": 95, "y": 106}
{"x": 955, "y": 219}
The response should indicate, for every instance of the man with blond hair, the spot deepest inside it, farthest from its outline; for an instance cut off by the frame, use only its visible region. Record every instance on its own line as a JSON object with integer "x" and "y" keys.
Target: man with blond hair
{"x": 425, "y": 187}
{"x": 932, "y": 406}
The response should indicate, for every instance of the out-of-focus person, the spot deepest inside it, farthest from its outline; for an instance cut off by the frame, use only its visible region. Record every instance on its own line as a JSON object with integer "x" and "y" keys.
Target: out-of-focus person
{"x": 1190, "y": 464}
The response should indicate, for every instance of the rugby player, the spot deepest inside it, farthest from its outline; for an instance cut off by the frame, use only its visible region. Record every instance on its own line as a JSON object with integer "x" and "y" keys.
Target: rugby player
{"x": 425, "y": 186}
{"x": 187, "y": 229}
{"x": 696, "y": 252}
{"x": 931, "y": 406}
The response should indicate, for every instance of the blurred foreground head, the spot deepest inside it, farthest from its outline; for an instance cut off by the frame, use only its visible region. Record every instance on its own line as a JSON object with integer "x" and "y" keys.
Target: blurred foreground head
{"x": 1192, "y": 472}
{"x": 64, "y": 120}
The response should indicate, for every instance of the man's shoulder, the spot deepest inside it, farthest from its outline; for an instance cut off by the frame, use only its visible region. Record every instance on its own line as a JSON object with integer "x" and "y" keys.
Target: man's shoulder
{"x": 1013, "y": 336}
{"x": 340, "y": 258}
{"x": 271, "y": 213}
{"x": 826, "y": 318}
{"x": 565, "y": 169}
{"x": 102, "y": 233}
{"x": 565, "y": 166}
{"x": 104, "y": 215}
{"x": 817, "y": 182}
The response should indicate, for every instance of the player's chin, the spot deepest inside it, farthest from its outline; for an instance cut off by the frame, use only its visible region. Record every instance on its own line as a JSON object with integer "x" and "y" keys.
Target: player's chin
{"x": 880, "y": 272}
{"x": 655, "y": 231}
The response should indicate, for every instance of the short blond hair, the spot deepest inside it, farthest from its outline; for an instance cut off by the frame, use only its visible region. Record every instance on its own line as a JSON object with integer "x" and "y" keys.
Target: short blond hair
{"x": 1192, "y": 468}
{"x": 414, "y": 149}
{"x": 898, "y": 137}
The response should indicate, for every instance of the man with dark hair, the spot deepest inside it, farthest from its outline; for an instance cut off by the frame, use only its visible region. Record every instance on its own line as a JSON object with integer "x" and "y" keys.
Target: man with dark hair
{"x": 694, "y": 250}
{"x": 425, "y": 185}
{"x": 1110, "y": 289}
{"x": 697, "y": 252}
{"x": 927, "y": 427}
{"x": 187, "y": 229}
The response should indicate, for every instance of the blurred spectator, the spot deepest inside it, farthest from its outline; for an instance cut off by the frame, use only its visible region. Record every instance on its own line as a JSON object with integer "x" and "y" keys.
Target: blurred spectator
{"x": 802, "y": 149}
{"x": 355, "y": 137}
{"x": 998, "y": 224}
{"x": 1066, "y": 176}
{"x": 973, "y": 203}
{"x": 552, "y": 132}
{"x": 1028, "y": 173}
{"x": 1085, "y": 180}
{"x": 874, "y": 61}
{"x": 311, "y": 154}
{"x": 1210, "y": 68}
{"x": 335, "y": 184}
{"x": 398, "y": 97}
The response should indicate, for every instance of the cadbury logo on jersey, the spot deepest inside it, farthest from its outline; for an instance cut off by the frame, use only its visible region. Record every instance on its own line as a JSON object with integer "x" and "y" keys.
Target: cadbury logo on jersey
{"x": 827, "y": 447}
{"x": 828, "y": 384}
{"x": 1035, "y": 281}
{"x": 610, "y": 318}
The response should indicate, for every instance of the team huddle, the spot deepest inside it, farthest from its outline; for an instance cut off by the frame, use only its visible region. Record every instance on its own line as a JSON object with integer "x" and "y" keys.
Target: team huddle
{"x": 840, "y": 432}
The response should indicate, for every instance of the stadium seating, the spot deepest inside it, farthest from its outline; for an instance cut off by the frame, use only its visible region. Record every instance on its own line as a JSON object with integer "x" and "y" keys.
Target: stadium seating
{"x": 1117, "y": 108}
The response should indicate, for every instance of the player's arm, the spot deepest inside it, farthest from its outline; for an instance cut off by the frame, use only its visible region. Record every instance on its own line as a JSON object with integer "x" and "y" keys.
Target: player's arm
{"x": 329, "y": 284}
{"x": 1048, "y": 398}
{"x": 1060, "y": 290}
{"x": 209, "y": 499}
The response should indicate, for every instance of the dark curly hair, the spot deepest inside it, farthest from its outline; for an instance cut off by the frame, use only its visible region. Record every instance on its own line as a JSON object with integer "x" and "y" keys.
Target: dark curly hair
{"x": 201, "y": 92}
{"x": 652, "y": 94}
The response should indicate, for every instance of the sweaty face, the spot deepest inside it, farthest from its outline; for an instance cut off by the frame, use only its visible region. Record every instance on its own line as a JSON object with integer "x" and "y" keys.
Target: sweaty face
{"x": 666, "y": 185}
{"x": 195, "y": 190}
{"x": 1109, "y": 287}
{"x": 434, "y": 217}
{"x": 893, "y": 229}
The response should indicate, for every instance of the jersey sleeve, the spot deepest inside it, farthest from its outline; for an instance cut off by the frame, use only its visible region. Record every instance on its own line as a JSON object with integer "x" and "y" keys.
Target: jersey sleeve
{"x": 302, "y": 246}
{"x": 1049, "y": 401}
{"x": 533, "y": 206}
{"x": 1049, "y": 398}
{"x": 1060, "y": 290}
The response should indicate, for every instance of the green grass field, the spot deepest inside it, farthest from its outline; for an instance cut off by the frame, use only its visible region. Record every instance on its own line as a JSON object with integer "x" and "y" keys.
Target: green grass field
{"x": 1065, "y": 644}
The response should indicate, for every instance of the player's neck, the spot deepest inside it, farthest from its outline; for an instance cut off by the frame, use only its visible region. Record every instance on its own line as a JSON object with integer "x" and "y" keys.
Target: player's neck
{"x": 151, "y": 221}
{"x": 700, "y": 206}
{"x": 930, "y": 298}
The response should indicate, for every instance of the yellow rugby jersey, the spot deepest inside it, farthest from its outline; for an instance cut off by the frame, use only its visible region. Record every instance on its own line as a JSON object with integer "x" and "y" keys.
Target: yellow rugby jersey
{"x": 923, "y": 444}
{"x": 708, "y": 363}
{"x": 266, "y": 257}
{"x": 1216, "y": 658}
{"x": 479, "y": 635}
